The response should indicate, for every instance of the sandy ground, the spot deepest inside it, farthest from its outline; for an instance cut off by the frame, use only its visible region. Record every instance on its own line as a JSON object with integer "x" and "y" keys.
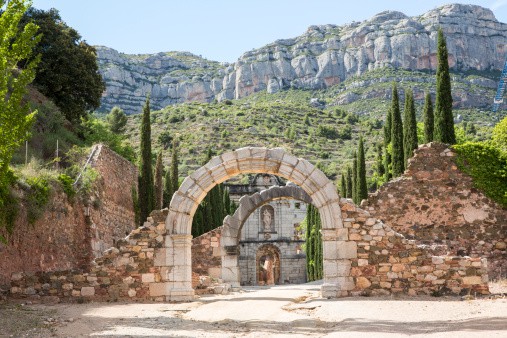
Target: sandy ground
{"x": 281, "y": 311}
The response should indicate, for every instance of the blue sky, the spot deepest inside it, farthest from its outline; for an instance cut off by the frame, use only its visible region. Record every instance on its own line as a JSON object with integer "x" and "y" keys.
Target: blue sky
{"x": 220, "y": 30}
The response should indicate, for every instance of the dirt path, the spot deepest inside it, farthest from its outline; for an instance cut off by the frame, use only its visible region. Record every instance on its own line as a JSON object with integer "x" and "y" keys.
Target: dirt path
{"x": 282, "y": 311}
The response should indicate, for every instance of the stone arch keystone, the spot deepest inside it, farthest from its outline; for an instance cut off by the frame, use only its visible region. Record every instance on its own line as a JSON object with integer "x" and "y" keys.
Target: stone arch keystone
{"x": 175, "y": 258}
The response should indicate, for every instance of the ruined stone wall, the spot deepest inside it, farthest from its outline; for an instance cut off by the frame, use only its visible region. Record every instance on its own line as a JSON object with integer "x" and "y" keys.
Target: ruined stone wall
{"x": 206, "y": 260}
{"x": 434, "y": 202}
{"x": 56, "y": 241}
{"x": 70, "y": 233}
{"x": 113, "y": 218}
{"x": 387, "y": 263}
{"x": 127, "y": 271}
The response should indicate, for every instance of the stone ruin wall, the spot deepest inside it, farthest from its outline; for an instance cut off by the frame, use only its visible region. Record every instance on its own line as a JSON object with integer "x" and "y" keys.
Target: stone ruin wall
{"x": 69, "y": 234}
{"x": 385, "y": 263}
{"x": 114, "y": 217}
{"x": 206, "y": 256}
{"x": 388, "y": 263}
{"x": 435, "y": 203}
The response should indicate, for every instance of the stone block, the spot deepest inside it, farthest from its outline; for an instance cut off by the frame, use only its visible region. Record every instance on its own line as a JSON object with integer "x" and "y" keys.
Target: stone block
{"x": 148, "y": 277}
{"x": 472, "y": 280}
{"x": 87, "y": 291}
{"x": 346, "y": 249}
{"x": 362, "y": 283}
{"x": 132, "y": 293}
{"x": 158, "y": 289}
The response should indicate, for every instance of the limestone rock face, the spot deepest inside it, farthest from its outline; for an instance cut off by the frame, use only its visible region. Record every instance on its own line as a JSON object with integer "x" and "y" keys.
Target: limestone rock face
{"x": 322, "y": 57}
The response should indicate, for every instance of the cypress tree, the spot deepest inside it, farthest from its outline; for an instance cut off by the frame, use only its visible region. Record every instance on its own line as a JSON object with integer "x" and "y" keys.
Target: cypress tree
{"x": 362, "y": 189}
{"x": 349, "y": 182}
{"x": 409, "y": 127}
{"x": 146, "y": 194}
{"x": 168, "y": 188}
{"x": 397, "y": 156}
{"x": 318, "y": 245}
{"x": 309, "y": 243}
{"x": 174, "y": 168}
{"x": 380, "y": 161}
{"x": 354, "y": 179}
{"x": 387, "y": 142}
{"x": 159, "y": 189}
{"x": 444, "y": 121}
{"x": 428, "y": 119}
{"x": 227, "y": 202}
{"x": 343, "y": 185}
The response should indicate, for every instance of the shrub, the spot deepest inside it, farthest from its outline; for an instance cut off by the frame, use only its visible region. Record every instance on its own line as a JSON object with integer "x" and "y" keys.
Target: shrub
{"x": 488, "y": 167}
{"x": 37, "y": 198}
{"x": 66, "y": 182}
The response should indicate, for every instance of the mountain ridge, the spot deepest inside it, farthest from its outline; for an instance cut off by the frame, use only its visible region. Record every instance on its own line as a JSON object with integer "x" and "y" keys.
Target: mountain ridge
{"x": 322, "y": 57}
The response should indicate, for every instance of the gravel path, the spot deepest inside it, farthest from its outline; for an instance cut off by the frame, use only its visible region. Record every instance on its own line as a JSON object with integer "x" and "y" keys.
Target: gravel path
{"x": 281, "y": 311}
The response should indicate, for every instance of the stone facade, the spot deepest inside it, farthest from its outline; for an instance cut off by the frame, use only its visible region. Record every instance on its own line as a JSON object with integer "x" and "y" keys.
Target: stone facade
{"x": 285, "y": 235}
{"x": 434, "y": 202}
{"x": 69, "y": 234}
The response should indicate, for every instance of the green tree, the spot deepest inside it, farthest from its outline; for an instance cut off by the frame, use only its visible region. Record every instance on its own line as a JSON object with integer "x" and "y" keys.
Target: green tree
{"x": 499, "y": 136}
{"x": 349, "y": 182}
{"x": 362, "y": 189}
{"x": 117, "y": 120}
{"x": 168, "y": 192}
{"x": 146, "y": 193}
{"x": 16, "y": 45}
{"x": 354, "y": 179}
{"x": 444, "y": 121}
{"x": 175, "y": 185}
{"x": 397, "y": 155}
{"x": 429, "y": 123}
{"x": 68, "y": 73}
{"x": 387, "y": 143}
{"x": 313, "y": 244}
{"x": 379, "y": 162}
{"x": 343, "y": 185}
{"x": 159, "y": 189}
{"x": 409, "y": 127}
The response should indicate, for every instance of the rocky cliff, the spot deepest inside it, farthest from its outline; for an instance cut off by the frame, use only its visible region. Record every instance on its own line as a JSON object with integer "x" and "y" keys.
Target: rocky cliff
{"x": 320, "y": 58}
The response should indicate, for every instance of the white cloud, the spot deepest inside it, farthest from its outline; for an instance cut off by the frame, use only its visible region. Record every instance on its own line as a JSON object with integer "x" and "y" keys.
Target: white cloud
{"x": 498, "y": 4}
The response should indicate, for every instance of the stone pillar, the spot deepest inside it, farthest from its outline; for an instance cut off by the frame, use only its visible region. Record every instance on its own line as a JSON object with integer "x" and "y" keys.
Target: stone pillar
{"x": 230, "y": 270}
{"x": 179, "y": 265}
{"x": 337, "y": 252}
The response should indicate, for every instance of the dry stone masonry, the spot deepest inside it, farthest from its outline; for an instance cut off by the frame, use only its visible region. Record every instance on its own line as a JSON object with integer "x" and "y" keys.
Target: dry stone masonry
{"x": 69, "y": 234}
{"x": 434, "y": 202}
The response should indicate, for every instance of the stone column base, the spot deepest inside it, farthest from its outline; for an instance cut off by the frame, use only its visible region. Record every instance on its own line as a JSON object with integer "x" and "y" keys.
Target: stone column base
{"x": 180, "y": 296}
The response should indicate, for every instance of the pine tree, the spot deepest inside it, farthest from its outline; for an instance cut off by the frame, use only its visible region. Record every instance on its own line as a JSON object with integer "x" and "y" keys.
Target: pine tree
{"x": 409, "y": 127}
{"x": 159, "y": 189}
{"x": 146, "y": 194}
{"x": 117, "y": 120}
{"x": 387, "y": 142}
{"x": 343, "y": 185}
{"x": 354, "y": 179}
{"x": 349, "y": 182}
{"x": 397, "y": 155}
{"x": 428, "y": 119}
{"x": 174, "y": 168}
{"x": 444, "y": 121}
{"x": 362, "y": 189}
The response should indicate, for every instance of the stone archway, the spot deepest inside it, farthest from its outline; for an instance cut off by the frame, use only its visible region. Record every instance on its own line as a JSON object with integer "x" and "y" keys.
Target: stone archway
{"x": 174, "y": 258}
{"x": 233, "y": 225}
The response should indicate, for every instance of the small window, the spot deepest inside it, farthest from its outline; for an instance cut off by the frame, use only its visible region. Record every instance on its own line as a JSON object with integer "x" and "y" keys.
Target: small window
{"x": 297, "y": 205}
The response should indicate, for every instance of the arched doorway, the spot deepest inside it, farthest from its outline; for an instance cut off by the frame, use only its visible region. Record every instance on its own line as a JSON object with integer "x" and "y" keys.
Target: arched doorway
{"x": 174, "y": 259}
{"x": 268, "y": 265}
{"x": 233, "y": 225}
